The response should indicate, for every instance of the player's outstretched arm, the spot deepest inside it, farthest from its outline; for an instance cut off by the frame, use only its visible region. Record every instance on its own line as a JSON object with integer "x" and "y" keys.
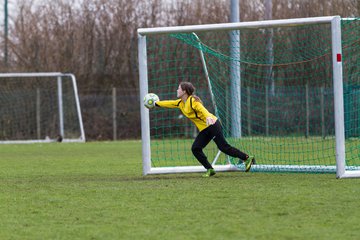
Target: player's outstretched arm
{"x": 168, "y": 103}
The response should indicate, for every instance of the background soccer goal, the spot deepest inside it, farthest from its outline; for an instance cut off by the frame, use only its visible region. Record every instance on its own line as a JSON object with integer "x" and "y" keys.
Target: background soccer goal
{"x": 286, "y": 91}
{"x": 39, "y": 107}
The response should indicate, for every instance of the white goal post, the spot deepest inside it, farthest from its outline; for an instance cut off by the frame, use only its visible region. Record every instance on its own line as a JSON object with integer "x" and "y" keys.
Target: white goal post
{"x": 339, "y": 165}
{"x": 40, "y": 107}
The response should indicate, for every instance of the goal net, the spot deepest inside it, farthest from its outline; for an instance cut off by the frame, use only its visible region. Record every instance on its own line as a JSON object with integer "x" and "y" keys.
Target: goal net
{"x": 286, "y": 91}
{"x": 39, "y": 107}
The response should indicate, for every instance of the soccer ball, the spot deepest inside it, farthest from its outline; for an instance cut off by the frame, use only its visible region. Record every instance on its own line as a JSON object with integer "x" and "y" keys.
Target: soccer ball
{"x": 150, "y": 99}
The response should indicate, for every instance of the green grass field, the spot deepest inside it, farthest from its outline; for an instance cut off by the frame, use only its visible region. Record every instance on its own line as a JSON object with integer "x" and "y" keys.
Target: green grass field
{"x": 96, "y": 191}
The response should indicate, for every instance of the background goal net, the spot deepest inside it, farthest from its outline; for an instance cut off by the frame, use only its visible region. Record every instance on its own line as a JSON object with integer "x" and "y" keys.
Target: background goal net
{"x": 39, "y": 107}
{"x": 273, "y": 84}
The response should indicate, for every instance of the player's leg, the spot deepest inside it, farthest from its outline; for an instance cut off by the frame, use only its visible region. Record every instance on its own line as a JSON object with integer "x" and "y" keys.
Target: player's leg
{"x": 199, "y": 144}
{"x": 226, "y": 148}
{"x": 223, "y": 145}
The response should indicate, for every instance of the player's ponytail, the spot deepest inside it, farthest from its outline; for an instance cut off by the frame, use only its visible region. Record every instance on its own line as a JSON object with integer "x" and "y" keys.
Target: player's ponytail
{"x": 189, "y": 89}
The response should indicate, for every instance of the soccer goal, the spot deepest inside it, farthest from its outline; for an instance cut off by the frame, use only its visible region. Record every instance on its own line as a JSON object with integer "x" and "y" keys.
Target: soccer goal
{"x": 39, "y": 107}
{"x": 286, "y": 91}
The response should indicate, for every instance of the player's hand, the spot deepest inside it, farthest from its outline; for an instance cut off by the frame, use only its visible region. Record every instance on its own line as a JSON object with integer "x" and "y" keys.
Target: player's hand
{"x": 156, "y": 102}
{"x": 210, "y": 121}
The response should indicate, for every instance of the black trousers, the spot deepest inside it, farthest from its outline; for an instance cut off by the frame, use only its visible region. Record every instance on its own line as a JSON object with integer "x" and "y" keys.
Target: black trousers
{"x": 214, "y": 132}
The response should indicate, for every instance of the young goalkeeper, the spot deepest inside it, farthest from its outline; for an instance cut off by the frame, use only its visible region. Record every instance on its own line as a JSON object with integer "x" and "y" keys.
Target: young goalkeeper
{"x": 209, "y": 127}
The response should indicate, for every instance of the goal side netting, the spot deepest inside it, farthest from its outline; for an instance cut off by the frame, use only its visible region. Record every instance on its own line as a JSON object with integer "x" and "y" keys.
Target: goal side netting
{"x": 286, "y": 91}
{"x": 39, "y": 107}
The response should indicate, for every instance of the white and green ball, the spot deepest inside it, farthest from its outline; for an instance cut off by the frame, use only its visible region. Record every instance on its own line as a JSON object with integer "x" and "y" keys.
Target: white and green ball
{"x": 150, "y": 99}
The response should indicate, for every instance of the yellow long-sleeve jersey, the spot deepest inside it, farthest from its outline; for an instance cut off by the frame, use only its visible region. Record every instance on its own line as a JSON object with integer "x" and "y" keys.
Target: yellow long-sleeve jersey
{"x": 192, "y": 109}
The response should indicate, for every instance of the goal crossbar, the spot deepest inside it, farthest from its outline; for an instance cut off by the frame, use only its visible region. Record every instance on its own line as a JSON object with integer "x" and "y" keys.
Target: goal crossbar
{"x": 235, "y": 26}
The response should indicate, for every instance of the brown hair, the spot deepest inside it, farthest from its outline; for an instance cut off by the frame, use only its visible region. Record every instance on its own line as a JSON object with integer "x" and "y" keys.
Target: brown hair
{"x": 189, "y": 89}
